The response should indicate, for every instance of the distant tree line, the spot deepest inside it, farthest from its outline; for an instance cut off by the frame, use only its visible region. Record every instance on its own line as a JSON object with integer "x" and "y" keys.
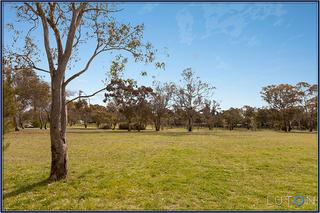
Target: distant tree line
{"x": 189, "y": 104}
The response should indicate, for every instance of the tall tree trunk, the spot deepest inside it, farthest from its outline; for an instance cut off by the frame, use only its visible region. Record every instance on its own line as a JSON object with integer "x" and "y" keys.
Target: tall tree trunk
{"x": 40, "y": 119}
{"x": 311, "y": 122}
{"x": 289, "y": 126}
{"x": 139, "y": 126}
{"x": 15, "y": 123}
{"x": 129, "y": 125}
{"x": 189, "y": 124}
{"x": 20, "y": 121}
{"x": 157, "y": 123}
{"x": 59, "y": 156}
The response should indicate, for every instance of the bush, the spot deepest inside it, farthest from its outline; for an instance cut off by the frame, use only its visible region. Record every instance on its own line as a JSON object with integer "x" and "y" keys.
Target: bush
{"x": 134, "y": 126}
{"x": 7, "y": 125}
{"x": 35, "y": 124}
{"x": 123, "y": 126}
{"x": 105, "y": 126}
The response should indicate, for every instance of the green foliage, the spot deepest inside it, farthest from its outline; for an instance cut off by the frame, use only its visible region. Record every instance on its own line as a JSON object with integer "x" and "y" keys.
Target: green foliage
{"x": 232, "y": 117}
{"x": 105, "y": 126}
{"x": 134, "y": 126}
{"x": 9, "y": 108}
{"x": 36, "y": 123}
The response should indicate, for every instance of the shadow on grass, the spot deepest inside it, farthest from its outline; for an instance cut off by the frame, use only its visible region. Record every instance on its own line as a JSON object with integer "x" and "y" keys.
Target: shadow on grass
{"x": 173, "y": 133}
{"x": 26, "y": 188}
{"x": 149, "y": 132}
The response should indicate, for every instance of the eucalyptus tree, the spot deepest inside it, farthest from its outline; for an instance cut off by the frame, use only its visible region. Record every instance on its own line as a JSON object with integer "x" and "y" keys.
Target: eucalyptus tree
{"x": 283, "y": 98}
{"x": 248, "y": 114}
{"x": 308, "y": 101}
{"x": 232, "y": 117}
{"x": 191, "y": 95}
{"x": 160, "y": 102}
{"x": 209, "y": 112}
{"x": 65, "y": 28}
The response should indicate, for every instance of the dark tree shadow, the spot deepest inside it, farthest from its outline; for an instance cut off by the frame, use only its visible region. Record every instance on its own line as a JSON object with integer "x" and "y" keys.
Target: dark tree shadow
{"x": 26, "y": 188}
{"x": 142, "y": 132}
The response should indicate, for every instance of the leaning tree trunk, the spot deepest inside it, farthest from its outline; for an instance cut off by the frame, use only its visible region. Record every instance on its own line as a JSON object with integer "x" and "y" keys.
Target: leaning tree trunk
{"x": 59, "y": 159}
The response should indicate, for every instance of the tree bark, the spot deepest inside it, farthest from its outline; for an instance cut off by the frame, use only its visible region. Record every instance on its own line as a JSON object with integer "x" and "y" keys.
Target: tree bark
{"x": 311, "y": 122}
{"x": 40, "y": 119}
{"x": 59, "y": 156}
{"x": 15, "y": 123}
{"x": 190, "y": 124}
{"x": 129, "y": 125}
{"x": 157, "y": 123}
{"x": 139, "y": 126}
{"x": 20, "y": 121}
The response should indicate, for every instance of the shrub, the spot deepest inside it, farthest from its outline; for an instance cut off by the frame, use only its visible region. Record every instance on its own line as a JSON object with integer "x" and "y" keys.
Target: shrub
{"x": 134, "y": 126}
{"x": 123, "y": 126}
{"x": 35, "y": 124}
{"x": 105, "y": 126}
{"x": 8, "y": 125}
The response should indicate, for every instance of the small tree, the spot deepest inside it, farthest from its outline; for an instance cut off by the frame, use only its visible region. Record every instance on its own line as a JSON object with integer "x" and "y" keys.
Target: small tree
{"x": 143, "y": 108}
{"x": 84, "y": 111}
{"x": 308, "y": 101}
{"x": 190, "y": 96}
{"x": 209, "y": 112}
{"x": 282, "y": 98}
{"x": 113, "y": 110}
{"x": 248, "y": 114}
{"x": 10, "y": 108}
{"x": 161, "y": 97}
{"x": 100, "y": 115}
{"x": 123, "y": 93}
{"x": 232, "y": 117}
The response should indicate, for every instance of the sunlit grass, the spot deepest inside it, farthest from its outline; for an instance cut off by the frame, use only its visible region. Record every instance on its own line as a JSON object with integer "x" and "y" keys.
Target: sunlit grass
{"x": 166, "y": 170}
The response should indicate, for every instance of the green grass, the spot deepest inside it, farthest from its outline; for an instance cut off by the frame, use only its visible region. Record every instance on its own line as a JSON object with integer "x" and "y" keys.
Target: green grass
{"x": 167, "y": 170}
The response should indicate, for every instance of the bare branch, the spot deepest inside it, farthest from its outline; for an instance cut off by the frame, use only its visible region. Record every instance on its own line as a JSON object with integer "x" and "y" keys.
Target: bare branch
{"x": 31, "y": 8}
{"x": 102, "y": 10}
{"x": 53, "y": 26}
{"x": 40, "y": 69}
{"x": 78, "y": 37}
{"x": 86, "y": 96}
{"x": 75, "y": 21}
{"x": 31, "y": 63}
{"x": 46, "y": 37}
{"x": 95, "y": 53}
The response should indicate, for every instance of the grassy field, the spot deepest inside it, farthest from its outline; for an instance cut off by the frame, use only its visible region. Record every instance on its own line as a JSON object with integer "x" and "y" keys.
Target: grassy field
{"x": 172, "y": 170}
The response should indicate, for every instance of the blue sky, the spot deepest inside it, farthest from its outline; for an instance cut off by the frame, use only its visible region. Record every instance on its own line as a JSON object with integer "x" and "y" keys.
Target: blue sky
{"x": 238, "y": 48}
